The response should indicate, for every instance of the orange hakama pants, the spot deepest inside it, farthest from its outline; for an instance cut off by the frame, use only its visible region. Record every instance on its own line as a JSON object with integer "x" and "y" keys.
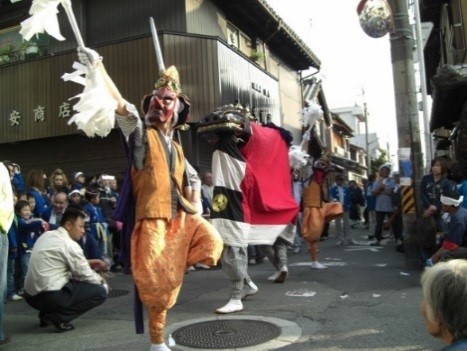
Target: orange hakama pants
{"x": 161, "y": 251}
{"x": 315, "y": 214}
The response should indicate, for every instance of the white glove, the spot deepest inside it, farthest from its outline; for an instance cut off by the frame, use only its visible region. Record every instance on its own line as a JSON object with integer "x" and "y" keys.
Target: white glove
{"x": 89, "y": 57}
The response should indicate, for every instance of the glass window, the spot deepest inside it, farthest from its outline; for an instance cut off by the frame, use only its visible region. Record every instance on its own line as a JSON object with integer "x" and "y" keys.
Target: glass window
{"x": 232, "y": 35}
{"x": 13, "y": 48}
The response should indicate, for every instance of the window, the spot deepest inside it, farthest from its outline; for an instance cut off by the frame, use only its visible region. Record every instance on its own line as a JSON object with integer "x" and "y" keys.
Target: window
{"x": 233, "y": 35}
{"x": 13, "y": 48}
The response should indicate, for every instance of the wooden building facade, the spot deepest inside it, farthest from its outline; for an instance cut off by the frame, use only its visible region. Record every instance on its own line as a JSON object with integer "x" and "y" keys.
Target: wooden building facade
{"x": 209, "y": 43}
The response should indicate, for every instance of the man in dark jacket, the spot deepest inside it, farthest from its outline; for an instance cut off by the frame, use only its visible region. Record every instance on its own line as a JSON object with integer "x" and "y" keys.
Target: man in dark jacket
{"x": 53, "y": 214}
{"x": 455, "y": 239}
{"x": 356, "y": 200}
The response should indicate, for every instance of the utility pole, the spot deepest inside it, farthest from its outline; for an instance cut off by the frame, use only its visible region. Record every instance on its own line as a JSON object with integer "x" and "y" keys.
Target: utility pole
{"x": 408, "y": 128}
{"x": 421, "y": 65}
{"x": 367, "y": 141}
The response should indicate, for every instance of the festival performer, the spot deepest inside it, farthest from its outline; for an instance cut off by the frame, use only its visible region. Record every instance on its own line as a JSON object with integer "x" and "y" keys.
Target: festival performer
{"x": 253, "y": 202}
{"x": 316, "y": 211}
{"x": 168, "y": 236}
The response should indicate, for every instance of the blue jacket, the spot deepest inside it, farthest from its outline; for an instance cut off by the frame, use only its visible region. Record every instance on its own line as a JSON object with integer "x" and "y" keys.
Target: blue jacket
{"x": 18, "y": 183}
{"x": 90, "y": 247}
{"x": 430, "y": 190}
{"x": 370, "y": 198}
{"x": 462, "y": 188}
{"x": 46, "y": 217}
{"x": 29, "y": 231}
{"x": 13, "y": 240}
{"x": 457, "y": 227}
{"x": 42, "y": 202}
{"x": 334, "y": 196}
{"x": 96, "y": 221}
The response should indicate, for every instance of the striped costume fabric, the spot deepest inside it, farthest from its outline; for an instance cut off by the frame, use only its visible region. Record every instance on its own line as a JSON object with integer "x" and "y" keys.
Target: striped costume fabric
{"x": 253, "y": 201}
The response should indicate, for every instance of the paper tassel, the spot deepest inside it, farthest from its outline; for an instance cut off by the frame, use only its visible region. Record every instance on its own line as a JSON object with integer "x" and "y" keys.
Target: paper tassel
{"x": 297, "y": 157}
{"x": 311, "y": 114}
{"x": 96, "y": 107}
{"x": 43, "y": 18}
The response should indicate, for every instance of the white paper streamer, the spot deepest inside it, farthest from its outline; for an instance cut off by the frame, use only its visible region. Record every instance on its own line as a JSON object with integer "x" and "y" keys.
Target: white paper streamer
{"x": 297, "y": 157}
{"x": 96, "y": 107}
{"x": 43, "y": 18}
{"x": 311, "y": 114}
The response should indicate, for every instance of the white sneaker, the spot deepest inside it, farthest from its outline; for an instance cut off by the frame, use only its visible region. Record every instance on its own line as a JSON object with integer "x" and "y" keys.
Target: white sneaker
{"x": 232, "y": 306}
{"x": 317, "y": 265}
{"x": 352, "y": 242}
{"x": 202, "y": 266}
{"x": 274, "y": 276}
{"x": 159, "y": 347}
{"x": 249, "y": 289}
{"x": 15, "y": 297}
{"x": 340, "y": 242}
{"x": 282, "y": 275}
{"x": 252, "y": 261}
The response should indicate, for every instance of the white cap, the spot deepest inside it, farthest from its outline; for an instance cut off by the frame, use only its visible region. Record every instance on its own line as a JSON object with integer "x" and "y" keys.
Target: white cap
{"x": 76, "y": 191}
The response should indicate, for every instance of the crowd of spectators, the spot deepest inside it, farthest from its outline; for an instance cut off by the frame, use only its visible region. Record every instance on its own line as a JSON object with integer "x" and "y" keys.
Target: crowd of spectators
{"x": 40, "y": 201}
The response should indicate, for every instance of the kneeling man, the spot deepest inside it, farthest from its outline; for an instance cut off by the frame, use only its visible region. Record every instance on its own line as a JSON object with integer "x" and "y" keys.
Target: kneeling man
{"x": 60, "y": 282}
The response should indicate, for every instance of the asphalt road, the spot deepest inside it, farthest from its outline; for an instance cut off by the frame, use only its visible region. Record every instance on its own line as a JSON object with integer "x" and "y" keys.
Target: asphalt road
{"x": 365, "y": 300}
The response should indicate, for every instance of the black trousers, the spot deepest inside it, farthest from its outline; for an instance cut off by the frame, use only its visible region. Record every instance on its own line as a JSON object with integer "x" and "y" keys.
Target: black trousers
{"x": 378, "y": 234}
{"x": 74, "y": 299}
{"x": 398, "y": 227}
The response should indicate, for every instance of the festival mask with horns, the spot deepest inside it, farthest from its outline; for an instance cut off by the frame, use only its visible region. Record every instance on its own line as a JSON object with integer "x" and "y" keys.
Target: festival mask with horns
{"x": 166, "y": 101}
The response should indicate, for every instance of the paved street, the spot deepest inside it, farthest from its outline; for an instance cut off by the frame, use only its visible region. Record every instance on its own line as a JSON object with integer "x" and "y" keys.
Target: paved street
{"x": 365, "y": 300}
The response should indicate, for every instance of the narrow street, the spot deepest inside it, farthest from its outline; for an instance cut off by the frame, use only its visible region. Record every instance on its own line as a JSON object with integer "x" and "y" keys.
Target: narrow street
{"x": 365, "y": 300}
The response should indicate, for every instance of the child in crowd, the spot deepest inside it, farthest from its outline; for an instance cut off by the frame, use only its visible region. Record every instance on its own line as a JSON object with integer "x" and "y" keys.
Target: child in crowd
{"x": 75, "y": 198}
{"x": 97, "y": 225}
{"x": 29, "y": 229}
{"x": 78, "y": 181}
{"x": 14, "y": 258}
{"x": 91, "y": 249}
{"x": 32, "y": 201}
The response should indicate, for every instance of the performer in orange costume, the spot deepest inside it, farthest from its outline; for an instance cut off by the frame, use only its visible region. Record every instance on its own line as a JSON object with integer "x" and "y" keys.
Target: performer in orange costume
{"x": 169, "y": 235}
{"x": 316, "y": 212}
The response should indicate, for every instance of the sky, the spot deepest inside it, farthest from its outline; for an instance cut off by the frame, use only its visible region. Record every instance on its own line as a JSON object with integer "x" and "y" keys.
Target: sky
{"x": 350, "y": 60}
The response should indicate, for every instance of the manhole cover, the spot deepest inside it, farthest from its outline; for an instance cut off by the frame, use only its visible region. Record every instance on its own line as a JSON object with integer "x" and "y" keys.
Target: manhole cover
{"x": 227, "y": 334}
{"x": 117, "y": 293}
